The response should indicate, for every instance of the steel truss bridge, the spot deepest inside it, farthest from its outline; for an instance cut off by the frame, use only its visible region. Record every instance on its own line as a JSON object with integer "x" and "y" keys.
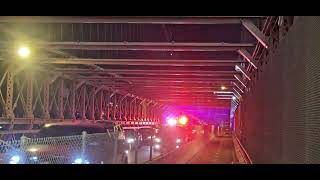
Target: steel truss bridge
{"x": 128, "y": 69}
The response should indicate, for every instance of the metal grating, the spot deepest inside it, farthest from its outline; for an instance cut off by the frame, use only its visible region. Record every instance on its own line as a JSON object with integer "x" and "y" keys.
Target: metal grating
{"x": 280, "y": 117}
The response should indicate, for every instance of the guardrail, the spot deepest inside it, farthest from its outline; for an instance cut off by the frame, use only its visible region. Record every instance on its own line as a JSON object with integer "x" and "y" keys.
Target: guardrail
{"x": 241, "y": 153}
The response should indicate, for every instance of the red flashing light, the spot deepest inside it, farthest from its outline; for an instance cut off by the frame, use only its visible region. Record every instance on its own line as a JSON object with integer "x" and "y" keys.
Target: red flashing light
{"x": 172, "y": 122}
{"x": 183, "y": 120}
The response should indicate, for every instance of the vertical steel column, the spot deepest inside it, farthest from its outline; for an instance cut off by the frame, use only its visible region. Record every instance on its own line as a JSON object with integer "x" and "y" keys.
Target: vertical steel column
{"x": 100, "y": 104}
{"x": 150, "y": 112}
{"x": 60, "y": 99}
{"x": 72, "y": 101}
{"x": 108, "y": 105}
{"x": 29, "y": 107}
{"x": 138, "y": 111}
{"x": 114, "y": 106}
{"x": 92, "y": 104}
{"x": 9, "y": 98}
{"x": 135, "y": 110}
{"x": 46, "y": 88}
{"x": 83, "y": 103}
{"x": 125, "y": 113}
{"x": 120, "y": 109}
{"x": 130, "y": 110}
{"x": 143, "y": 106}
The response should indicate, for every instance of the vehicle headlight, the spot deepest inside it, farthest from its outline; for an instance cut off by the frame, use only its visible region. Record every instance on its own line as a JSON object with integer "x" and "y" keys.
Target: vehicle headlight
{"x": 130, "y": 140}
{"x": 34, "y": 158}
{"x": 32, "y": 149}
{"x": 178, "y": 140}
{"x": 157, "y": 146}
{"x": 157, "y": 140}
{"x": 80, "y": 161}
{"x": 14, "y": 159}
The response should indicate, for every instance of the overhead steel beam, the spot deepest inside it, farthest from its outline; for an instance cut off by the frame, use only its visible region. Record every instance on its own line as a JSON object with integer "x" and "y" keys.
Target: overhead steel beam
{"x": 144, "y": 46}
{"x": 156, "y": 86}
{"x": 244, "y": 71}
{"x": 173, "y": 93}
{"x": 153, "y": 80}
{"x": 245, "y": 54}
{"x": 238, "y": 87}
{"x": 156, "y": 75}
{"x": 255, "y": 32}
{"x": 137, "y": 62}
{"x": 241, "y": 81}
{"x": 128, "y": 19}
{"x": 145, "y": 71}
{"x": 236, "y": 93}
{"x": 157, "y": 79}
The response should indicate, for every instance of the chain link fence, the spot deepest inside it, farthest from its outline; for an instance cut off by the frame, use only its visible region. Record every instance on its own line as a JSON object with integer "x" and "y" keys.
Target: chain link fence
{"x": 102, "y": 148}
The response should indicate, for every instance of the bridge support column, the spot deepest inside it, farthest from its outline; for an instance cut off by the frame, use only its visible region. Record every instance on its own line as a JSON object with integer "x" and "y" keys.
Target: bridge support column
{"x": 9, "y": 97}
{"x": 29, "y": 106}
{"x": 92, "y": 104}
{"x": 73, "y": 101}
{"x": 46, "y": 89}
{"x": 60, "y": 100}
{"x": 83, "y": 103}
{"x": 100, "y": 104}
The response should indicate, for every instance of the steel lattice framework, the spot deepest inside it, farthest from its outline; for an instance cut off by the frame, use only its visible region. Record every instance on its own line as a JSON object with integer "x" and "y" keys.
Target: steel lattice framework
{"x": 127, "y": 69}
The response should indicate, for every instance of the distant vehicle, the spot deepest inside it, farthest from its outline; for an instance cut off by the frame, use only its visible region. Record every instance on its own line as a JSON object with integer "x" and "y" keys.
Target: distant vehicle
{"x": 132, "y": 137}
{"x": 69, "y": 151}
{"x": 172, "y": 137}
{"x": 148, "y": 135}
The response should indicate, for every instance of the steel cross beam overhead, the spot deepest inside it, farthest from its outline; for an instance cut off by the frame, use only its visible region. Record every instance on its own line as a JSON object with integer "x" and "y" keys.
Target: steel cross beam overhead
{"x": 142, "y": 46}
{"x": 154, "y": 62}
{"x": 120, "y": 68}
{"x": 129, "y": 19}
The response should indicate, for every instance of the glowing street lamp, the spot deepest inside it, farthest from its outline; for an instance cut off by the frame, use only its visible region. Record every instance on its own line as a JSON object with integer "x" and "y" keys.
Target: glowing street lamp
{"x": 223, "y": 88}
{"x": 24, "y": 52}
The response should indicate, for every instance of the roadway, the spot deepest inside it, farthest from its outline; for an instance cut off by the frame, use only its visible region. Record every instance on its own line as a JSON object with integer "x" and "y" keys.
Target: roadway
{"x": 202, "y": 151}
{"x": 143, "y": 155}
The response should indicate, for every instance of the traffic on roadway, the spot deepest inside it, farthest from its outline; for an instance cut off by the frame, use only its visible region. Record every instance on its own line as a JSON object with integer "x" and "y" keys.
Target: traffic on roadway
{"x": 103, "y": 142}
